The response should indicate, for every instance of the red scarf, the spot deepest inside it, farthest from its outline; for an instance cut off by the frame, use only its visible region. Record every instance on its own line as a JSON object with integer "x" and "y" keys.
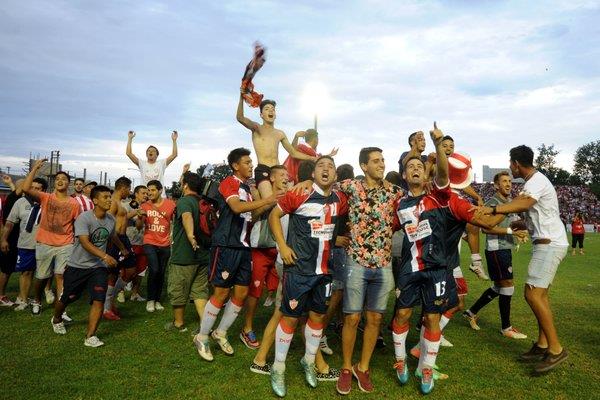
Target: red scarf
{"x": 251, "y": 97}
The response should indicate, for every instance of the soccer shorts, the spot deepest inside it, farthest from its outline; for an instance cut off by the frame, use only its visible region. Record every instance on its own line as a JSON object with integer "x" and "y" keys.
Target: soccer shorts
{"x": 76, "y": 280}
{"x": 429, "y": 287}
{"x": 263, "y": 263}
{"x": 499, "y": 264}
{"x": 262, "y": 172}
{"x": 123, "y": 262}
{"x": 303, "y": 293}
{"x": 230, "y": 266}
{"x": 141, "y": 262}
{"x": 25, "y": 260}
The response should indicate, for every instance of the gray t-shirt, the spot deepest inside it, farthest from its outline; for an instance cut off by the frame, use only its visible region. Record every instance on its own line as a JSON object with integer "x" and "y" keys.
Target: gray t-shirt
{"x": 99, "y": 232}
{"x": 19, "y": 216}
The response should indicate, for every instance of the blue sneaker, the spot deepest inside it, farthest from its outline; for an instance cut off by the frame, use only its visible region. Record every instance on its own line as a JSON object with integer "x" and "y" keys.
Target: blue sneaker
{"x": 401, "y": 371}
{"x": 427, "y": 380}
{"x": 309, "y": 373}
{"x": 278, "y": 382}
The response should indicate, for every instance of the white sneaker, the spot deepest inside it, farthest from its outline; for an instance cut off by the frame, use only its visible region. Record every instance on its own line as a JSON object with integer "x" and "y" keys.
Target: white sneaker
{"x": 512, "y": 333}
{"x": 5, "y": 302}
{"x": 445, "y": 343}
{"x": 477, "y": 268}
{"x": 93, "y": 342}
{"x": 222, "y": 342}
{"x": 137, "y": 297}
{"x": 49, "y": 296}
{"x": 158, "y": 306}
{"x": 324, "y": 346}
{"x": 58, "y": 328}
{"x": 21, "y": 304}
{"x": 150, "y": 307}
{"x": 121, "y": 297}
{"x": 203, "y": 348}
{"x": 66, "y": 318}
{"x": 36, "y": 308}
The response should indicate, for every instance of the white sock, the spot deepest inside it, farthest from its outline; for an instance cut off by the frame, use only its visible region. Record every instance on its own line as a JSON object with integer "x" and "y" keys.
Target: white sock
{"x": 421, "y": 347}
{"x": 229, "y": 315}
{"x": 312, "y": 334}
{"x": 283, "y": 338}
{"x": 444, "y": 320}
{"x": 211, "y": 312}
{"x": 431, "y": 343}
{"x": 399, "y": 334}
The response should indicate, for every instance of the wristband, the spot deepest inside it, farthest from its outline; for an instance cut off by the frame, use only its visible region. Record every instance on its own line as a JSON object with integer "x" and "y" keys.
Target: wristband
{"x": 509, "y": 231}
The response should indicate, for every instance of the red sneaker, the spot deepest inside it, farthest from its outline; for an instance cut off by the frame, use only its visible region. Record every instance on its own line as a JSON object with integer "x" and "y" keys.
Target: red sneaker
{"x": 363, "y": 378}
{"x": 344, "y": 383}
{"x": 110, "y": 315}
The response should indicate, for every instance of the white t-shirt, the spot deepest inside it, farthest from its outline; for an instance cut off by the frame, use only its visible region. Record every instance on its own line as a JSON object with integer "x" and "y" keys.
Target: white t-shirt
{"x": 543, "y": 219}
{"x": 155, "y": 171}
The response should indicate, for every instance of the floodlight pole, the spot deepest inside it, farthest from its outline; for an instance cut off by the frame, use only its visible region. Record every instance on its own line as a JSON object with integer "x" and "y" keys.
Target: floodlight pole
{"x": 316, "y": 118}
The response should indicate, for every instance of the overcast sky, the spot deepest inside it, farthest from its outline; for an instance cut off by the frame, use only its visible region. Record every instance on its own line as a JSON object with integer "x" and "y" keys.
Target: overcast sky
{"x": 75, "y": 76}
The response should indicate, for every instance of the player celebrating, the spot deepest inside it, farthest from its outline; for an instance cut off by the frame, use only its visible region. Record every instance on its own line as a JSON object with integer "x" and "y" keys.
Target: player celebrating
{"x": 230, "y": 260}
{"x": 306, "y": 278}
{"x": 152, "y": 168}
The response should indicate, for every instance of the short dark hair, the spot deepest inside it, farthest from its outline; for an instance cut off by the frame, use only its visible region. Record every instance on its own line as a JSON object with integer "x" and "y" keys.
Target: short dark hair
{"x": 448, "y": 137}
{"x": 236, "y": 155}
{"x": 192, "y": 179}
{"x": 326, "y": 156}
{"x": 266, "y": 102}
{"x": 394, "y": 178}
{"x": 42, "y": 182}
{"x": 79, "y": 180}
{"x": 523, "y": 155}
{"x": 97, "y": 190}
{"x": 311, "y": 134}
{"x": 122, "y": 182}
{"x": 138, "y": 188}
{"x": 277, "y": 167}
{"x": 411, "y": 136}
{"x": 63, "y": 173}
{"x": 499, "y": 175}
{"x": 405, "y": 161}
{"x": 153, "y": 147}
{"x": 344, "y": 171}
{"x": 155, "y": 183}
{"x": 363, "y": 156}
{"x": 305, "y": 170}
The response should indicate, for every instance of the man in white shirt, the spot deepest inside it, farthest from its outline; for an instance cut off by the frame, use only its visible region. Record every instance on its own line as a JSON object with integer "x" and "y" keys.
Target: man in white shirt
{"x": 152, "y": 168}
{"x": 539, "y": 203}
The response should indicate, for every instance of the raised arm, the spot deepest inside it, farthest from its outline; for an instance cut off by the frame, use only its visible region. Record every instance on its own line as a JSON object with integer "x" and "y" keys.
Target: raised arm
{"x": 8, "y": 182}
{"x": 128, "y": 152}
{"x": 297, "y": 136}
{"x": 30, "y": 176}
{"x": 247, "y": 122}
{"x": 441, "y": 163}
{"x": 173, "y": 155}
{"x": 293, "y": 152}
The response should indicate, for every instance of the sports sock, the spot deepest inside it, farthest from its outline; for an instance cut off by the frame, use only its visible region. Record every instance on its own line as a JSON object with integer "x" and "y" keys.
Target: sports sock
{"x": 110, "y": 293}
{"x": 283, "y": 338}
{"x": 485, "y": 298}
{"x": 232, "y": 309}
{"x": 211, "y": 312}
{"x": 399, "y": 334}
{"x": 504, "y": 305}
{"x": 312, "y": 333}
{"x": 445, "y": 319}
{"x": 422, "y": 348}
{"x": 431, "y": 344}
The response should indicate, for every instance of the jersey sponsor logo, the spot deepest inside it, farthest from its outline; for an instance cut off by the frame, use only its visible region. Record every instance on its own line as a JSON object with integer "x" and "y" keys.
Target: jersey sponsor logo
{"x": 293, "y": 304}
{"x": 418, "y": 232}
{"x": 99, "y": 237}
{"x": 321, "y": 231}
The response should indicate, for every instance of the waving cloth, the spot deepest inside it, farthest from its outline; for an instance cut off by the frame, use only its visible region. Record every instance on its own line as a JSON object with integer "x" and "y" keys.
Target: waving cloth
{"x": 251, "y": 97}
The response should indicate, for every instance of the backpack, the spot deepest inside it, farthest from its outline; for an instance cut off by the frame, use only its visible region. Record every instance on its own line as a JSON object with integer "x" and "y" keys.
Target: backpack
{"x": 208, "y": 217}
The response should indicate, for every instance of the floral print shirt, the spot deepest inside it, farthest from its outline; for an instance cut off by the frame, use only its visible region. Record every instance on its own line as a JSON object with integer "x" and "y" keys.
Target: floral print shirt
{"x": 372, "y": 219}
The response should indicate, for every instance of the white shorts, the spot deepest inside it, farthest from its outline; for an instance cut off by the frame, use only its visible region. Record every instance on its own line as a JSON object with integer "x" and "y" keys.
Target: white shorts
{"x": 543, "y": 265}
{"x": 51, "y": 259}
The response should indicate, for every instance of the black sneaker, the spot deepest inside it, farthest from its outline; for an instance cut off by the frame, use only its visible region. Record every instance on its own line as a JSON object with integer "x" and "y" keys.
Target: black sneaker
{"x": 536, "y": 353}
{"x": 260, "y": 369}
{"x": 332, "y": 375}
{"x": 550, "y": 361}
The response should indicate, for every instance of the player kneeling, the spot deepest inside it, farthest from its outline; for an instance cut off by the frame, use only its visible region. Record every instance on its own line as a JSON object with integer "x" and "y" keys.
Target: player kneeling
{"x": 306, "y": 278}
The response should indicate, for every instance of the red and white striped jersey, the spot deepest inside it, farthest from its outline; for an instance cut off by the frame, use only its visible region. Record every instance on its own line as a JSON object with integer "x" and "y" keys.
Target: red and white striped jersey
{"x": 85, "y": 204}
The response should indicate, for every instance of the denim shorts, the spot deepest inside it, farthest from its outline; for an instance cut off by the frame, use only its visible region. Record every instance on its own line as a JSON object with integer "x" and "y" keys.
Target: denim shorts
{"x": 543, "y": 265}
{"x": 366, "y": 289}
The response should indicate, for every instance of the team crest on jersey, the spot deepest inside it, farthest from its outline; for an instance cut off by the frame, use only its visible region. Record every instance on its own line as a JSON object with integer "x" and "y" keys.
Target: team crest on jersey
{"x": 225, "y": 275}
{"x": 293, "y": 304}
{"x": 257, "y": 283}
{"x": 510, "y": 269}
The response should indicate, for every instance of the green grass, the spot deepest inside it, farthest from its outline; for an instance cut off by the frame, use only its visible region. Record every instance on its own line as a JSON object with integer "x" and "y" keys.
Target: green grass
{"x": 141, "y": 361}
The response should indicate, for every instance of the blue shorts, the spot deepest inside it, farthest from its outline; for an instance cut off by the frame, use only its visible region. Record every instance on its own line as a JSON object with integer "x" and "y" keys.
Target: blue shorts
{"x": 366, "y": 289}
{"x": 303, "y": 293}
{"x": 25, "y": 260}
{"x": 230, "y": 266}
{"x": 429, "y": 287}
{"x": 499, "y": 264}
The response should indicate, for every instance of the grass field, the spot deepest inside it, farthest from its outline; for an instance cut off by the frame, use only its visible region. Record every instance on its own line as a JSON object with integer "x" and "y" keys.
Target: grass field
{"x": 141, "y": 361}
